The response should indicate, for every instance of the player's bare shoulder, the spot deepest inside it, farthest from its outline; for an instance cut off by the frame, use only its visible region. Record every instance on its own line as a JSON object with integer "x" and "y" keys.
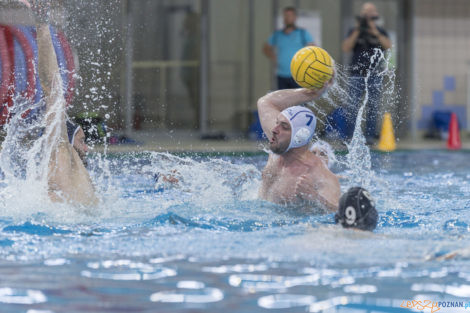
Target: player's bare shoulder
{"x": 313, "y": 162}
{"x": 317, "y": 169}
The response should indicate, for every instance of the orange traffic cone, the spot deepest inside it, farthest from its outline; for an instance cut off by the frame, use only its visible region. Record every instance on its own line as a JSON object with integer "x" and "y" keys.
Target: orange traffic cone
{"x": 453, "y": 142}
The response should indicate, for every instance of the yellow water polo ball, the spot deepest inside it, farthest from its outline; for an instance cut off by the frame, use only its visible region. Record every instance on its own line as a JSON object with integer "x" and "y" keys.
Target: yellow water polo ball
{"x": 311, "y": 67}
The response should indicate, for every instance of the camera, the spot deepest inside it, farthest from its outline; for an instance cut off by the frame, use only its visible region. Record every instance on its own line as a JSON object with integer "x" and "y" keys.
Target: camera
{"x": 364, "y": 22}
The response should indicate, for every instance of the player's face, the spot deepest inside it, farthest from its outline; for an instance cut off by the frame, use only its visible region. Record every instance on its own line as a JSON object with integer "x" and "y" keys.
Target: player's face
{"x": 322, "y": 154}
{"x": 80, "y": 145}
{"x": 369, "y": 10}
{"x": 289, "y": 18}
{"x": 280, "y": 139}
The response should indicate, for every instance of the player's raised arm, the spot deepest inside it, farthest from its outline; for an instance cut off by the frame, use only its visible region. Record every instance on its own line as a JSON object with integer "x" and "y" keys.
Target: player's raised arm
{"x": 48, "y": 67}
{"x": 47, "y": 60}
{"x": 270, "y": 105}
{"x": 49, "y": 73}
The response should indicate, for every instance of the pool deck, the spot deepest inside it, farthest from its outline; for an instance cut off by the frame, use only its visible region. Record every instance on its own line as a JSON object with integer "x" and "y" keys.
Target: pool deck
{"x": 177, "y": 142}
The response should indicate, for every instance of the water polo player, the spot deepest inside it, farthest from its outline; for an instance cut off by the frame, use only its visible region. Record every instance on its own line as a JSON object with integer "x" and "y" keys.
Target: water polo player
{"x": 293, "y": 174}
{"x": 68, "y": 180}
{"x": 357, "y": 210}
{"x": 76, "y": 137}
{"x": 324, "y": 151}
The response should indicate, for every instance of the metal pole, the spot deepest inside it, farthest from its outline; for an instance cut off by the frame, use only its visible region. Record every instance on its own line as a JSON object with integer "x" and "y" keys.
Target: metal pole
{"x": 346, "y": 22}
{"x": 204, "y": 71}
{"x": 297, "y": 4}
{"x": 468, "y": 95}
{"x": 129, "y": 72}
{"x": 163, "y": 105}
{"x": 402, "y": 46}
{"x": 414, "y": 77}
{"x": 251, "y": 56}
{"x": 274, "y": 12}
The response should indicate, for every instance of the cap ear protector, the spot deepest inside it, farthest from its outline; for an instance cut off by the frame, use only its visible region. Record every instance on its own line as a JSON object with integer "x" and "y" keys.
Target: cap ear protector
{"x": 72, "y": 130}
{"x": 357, "y": 210}
{"x": 302, "y": 122}
{"x": 302, "y": 135}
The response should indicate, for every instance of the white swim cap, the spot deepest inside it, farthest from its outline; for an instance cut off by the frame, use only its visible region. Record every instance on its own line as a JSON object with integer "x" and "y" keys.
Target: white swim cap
{"x": 302, "y": 122}
{"x": 325, "y": 147}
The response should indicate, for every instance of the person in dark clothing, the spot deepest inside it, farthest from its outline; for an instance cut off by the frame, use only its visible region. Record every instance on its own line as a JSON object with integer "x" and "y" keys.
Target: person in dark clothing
{"x": 367, "y": 42}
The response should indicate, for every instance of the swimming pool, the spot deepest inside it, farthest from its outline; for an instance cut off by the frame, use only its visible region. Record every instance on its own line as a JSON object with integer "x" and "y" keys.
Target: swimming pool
{"x": 207, "y": 245}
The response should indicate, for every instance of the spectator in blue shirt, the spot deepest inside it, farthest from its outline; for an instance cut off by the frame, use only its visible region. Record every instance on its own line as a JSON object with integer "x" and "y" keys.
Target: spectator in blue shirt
{"x": 366, "y": 41}
{"x": 282, "y": 46}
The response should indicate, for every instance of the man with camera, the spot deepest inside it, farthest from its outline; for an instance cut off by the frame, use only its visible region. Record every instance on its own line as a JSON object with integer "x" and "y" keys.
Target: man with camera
{"x": 366, "y": 41}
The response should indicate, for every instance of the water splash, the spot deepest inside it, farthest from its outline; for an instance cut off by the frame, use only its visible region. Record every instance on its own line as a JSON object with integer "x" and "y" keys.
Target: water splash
{"x": 358, "y": 159}
{"x": 208, "y": 182}
{"x": 25, "y": 159}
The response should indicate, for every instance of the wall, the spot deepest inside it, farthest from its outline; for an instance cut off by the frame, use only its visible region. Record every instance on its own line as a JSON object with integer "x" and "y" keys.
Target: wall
{"x": 228, "y": 63}
{"x": 442, "y": 59}
{"x": 231, "y": 102}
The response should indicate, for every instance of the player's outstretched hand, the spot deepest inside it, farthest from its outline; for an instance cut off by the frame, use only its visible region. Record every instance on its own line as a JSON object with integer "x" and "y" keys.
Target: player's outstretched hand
{"x": 40, "y": 8}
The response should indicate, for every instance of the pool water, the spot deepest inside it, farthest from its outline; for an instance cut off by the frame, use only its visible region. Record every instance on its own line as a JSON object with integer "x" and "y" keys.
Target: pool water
{"x": 208, "y": 245}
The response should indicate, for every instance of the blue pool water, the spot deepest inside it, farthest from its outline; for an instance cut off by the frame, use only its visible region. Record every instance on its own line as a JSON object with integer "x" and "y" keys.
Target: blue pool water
{"x": 208, "y": 245}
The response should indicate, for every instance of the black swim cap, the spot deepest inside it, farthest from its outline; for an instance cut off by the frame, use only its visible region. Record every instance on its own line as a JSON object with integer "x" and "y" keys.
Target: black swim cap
{"x": 72, "y": 130}
{"x": 357, "y": 210}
